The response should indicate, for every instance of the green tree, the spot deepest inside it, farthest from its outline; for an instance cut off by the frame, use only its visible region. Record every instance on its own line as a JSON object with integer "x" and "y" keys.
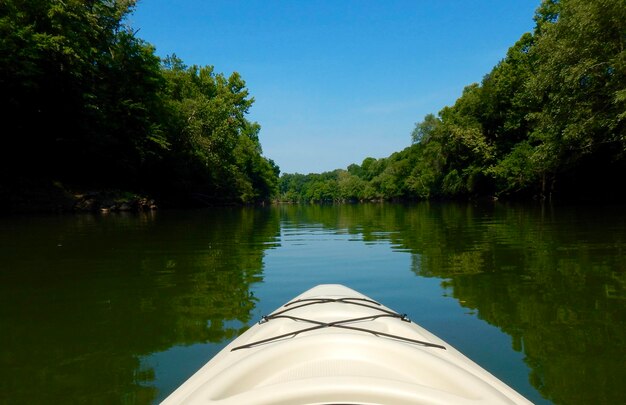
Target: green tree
{"x": 216, "y": 155}
{"x": 549, "y": 119}
{"x": 505, "y": 100}
{"x": 89, "y": 104}
{"x": 580, "y": 81}
{"x": 425, "y": 129}
{"x": 79, "y": 91}
{"x": 351, "y": 187}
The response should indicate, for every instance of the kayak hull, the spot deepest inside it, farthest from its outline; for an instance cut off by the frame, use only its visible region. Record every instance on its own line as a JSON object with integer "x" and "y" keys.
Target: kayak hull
{"x": 332, "y": 344}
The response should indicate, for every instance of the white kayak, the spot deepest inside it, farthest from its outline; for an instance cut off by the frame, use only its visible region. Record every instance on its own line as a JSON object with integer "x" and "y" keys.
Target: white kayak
{"x": 333, "y": 345}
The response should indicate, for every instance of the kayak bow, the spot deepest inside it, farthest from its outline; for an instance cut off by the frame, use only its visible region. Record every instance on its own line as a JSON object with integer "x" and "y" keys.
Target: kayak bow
{"x": 334, "y": 345}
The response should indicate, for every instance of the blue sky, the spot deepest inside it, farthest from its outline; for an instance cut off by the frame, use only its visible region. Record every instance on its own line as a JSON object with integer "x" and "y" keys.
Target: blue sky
{"x": 336, "y": 81}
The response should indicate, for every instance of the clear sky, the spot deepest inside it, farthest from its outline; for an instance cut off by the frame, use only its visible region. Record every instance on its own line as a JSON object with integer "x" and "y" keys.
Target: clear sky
{"x": 336, "y": 81}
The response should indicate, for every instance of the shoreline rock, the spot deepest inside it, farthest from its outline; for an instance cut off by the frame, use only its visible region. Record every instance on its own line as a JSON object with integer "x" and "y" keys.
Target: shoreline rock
{"x": 112, "y": 201}
{"x": 26, "y": 196}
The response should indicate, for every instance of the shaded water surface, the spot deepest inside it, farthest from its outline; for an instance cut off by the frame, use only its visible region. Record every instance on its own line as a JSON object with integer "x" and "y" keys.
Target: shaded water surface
{"x": 123, "y": 308}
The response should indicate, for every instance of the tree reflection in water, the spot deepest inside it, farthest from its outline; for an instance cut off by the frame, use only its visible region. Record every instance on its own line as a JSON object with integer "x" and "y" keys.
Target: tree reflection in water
{"x": 85, "y": 299}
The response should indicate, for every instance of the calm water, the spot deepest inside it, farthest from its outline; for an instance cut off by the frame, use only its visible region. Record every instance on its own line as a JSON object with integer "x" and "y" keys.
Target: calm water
{"x": 123, "y": 308}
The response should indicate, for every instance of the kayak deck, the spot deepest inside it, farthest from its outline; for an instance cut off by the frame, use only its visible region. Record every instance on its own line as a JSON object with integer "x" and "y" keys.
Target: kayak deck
{"x": 332, "y": 344}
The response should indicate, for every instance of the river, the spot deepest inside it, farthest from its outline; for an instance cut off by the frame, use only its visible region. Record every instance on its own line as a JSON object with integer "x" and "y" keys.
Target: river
{"x": 122, "y": 308}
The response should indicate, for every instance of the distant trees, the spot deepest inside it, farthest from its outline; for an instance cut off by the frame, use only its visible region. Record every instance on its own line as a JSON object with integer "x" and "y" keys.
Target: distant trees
{"x": 374, "y": 179}
{"x": 548, "y": 120}
{"x": 88, "y": 103}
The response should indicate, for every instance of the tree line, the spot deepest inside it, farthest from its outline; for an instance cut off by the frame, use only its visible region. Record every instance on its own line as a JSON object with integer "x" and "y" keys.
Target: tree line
{"x": 87, "y": 104}
{"x": 548, "y": 121}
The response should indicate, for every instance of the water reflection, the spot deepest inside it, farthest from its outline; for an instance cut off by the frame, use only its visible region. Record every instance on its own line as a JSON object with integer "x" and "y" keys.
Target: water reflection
{"x": 554, "y": 279}
{"x": 82, "y": 298}
{"x": 91, "y": 305}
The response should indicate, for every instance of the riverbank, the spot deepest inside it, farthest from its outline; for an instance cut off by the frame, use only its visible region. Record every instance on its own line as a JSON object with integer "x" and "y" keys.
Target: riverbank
{"x": 44, "y": 197}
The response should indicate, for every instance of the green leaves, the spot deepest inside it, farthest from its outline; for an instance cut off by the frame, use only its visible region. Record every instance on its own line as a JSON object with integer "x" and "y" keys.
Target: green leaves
{"x": 579, "y": 76}
{"x": 215, "y": 148}
{"x": 88, "y": 103}
{"x": 553, "y": 107}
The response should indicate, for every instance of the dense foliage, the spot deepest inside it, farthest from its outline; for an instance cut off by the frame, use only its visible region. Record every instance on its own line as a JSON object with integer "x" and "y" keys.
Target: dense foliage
{"x": 548, "y": 121}
{"x": 87, "y": 104}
